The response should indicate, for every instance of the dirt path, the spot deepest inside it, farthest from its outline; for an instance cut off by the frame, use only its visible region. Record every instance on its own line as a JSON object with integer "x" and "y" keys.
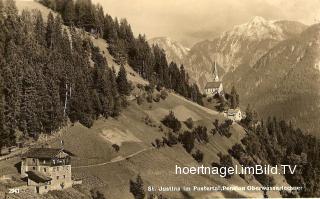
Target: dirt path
{"x": 115, "y": 160}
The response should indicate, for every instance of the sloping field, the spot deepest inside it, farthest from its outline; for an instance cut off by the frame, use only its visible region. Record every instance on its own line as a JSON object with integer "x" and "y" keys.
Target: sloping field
{"x": 110, "y": 171}
{"x": 132, "y": 75}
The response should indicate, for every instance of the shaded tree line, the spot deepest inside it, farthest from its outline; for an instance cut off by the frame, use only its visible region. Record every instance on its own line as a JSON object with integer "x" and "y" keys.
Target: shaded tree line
{"x": 277, "y": 142}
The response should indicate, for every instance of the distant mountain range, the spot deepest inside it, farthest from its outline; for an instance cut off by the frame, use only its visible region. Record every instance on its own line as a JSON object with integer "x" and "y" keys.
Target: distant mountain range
{"x": 275, "y": 66}
{"x": 174, "y": 50}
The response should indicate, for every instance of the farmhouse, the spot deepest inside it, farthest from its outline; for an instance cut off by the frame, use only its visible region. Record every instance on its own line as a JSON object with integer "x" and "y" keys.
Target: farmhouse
{"x": 47, "y": 169}
{"x": 215, "y": 87}
{"x": 234, "y": 114}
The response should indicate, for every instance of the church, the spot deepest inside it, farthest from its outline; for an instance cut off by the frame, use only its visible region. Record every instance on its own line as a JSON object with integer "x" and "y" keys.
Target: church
{"x": 215, "y": 87}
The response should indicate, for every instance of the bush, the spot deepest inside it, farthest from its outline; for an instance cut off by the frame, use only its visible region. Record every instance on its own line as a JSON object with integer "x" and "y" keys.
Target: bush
{"x": 116, "y": 147}
{"x": 226, "y": 161}
{"x": 189, "y": 123}
{"x": 157, "y": 98}
{"x": 172, "y": 139}
{"x": 136, "y": 188}
{"x": 163, "y": 94}
{"x": 149, "y": 98}
{"x": 86, "y": 120}
{"x": 213, "y": 131}
{"x": 237, "y": 151}
{"x": 200, "y": 133}
{"x": 172, "y": 122}
{"x": 224, "y": 128}
{"x": 140, "y": 86}
{"x": 198, "y": 156}
{"x": 158, "y": 143}
{"x": 140, "y": 100}
{"x": 187, "y": 140}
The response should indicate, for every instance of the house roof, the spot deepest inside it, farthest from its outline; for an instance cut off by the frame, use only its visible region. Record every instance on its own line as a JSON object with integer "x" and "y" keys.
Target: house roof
{"x": 213, "y": 85}
{"x": 38, "y": 177}
{"x": 232, "y": 112}
{"x": 42, "y": 153}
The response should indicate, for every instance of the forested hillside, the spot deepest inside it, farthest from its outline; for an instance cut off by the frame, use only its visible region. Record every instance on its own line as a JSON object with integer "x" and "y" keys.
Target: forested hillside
{"x": 149, "y": 62}
{"x": 51, "y": 72}
{"x": 47, "y": 74}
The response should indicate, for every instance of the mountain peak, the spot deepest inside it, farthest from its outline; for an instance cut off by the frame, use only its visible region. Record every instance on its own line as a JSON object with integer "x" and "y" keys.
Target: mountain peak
{"x": 258, "y": 19}
{"x": 175, "y": 51}
{"x": 257, "y": 29}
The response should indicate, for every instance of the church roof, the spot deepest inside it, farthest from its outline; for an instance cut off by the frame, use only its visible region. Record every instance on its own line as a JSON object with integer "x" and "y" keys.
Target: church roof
{"x": 213, "y": 85}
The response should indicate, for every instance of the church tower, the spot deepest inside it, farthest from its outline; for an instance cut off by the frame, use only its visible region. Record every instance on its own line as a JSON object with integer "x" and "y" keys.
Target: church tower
{"x": 215, "y": 73}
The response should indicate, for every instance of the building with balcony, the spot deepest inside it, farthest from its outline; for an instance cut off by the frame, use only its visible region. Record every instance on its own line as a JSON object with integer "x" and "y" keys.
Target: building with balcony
{"x": 47, "y": 169}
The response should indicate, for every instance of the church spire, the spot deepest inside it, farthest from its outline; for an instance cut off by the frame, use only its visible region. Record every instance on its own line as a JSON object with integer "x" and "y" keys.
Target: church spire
{"x": 216, "y": 76}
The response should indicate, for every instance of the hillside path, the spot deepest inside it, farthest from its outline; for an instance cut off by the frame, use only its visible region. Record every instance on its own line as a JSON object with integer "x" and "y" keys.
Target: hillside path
{"x": 114, "y": 160}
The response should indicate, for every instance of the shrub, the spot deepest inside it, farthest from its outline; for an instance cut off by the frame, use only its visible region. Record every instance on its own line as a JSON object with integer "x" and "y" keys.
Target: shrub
{"x": 213, "y": 131}
{"x": 198, "y": 156}
{"x": 149, "y": 98}
{"x": 86, "y": 120}
{"x": 96, "y": 195}
{"x": 189, "y": 123}
{"x": 136, "y": 188}
{"x": 237, "y": 151}
{"x": 157, "y": 98}
{"x": 187, "y": 140}
{"x": 164, "y": 94}
{"x": 116, "y": 147}
{"x": 172, "y": 139}
{"x": 158, "y": 143}
{"x": 172, "y": 122}
{"x": 200, "y": 133}
{"x": 140, "y": 100}
{"x": 226, "y": 161}
{"x": 140, "y": 86}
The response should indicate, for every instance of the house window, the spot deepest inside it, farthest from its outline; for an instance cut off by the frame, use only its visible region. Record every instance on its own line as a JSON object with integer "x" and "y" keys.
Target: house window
{"x": 34, "y": 168}
{"x": 64, "y": 176}
{"x": 45, "y": 187}
{"x": 57, "y": 177}
{"x": 45, "y": 169}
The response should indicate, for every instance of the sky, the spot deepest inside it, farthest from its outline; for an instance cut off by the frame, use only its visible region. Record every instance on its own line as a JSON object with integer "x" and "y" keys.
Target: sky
{"x": 190, "y": 21}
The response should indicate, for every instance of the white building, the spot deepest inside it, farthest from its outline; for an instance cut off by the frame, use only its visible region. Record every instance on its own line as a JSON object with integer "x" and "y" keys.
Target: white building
{"x": 234, "y": 114}
{"x": 215, "y": 87}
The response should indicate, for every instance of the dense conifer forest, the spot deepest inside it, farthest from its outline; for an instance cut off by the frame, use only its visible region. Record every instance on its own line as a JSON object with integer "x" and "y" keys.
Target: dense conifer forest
{"x": 277, "y": 142}
{"x": 149, "y": 62}
{"x": 51, "y": 72}
{"x": 48, "y": 75}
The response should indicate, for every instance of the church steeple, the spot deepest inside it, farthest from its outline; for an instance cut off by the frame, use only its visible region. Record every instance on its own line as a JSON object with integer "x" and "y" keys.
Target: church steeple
{"x": 215, "y": 73}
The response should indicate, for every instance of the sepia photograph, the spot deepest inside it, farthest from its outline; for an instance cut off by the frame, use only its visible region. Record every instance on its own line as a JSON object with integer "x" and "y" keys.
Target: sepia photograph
{"x": 159, "y": 99}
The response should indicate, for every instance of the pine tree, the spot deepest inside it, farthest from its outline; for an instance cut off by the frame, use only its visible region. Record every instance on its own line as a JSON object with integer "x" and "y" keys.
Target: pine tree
{"x": 68, "y": 14}
{"x": 136, "y": 188}
{"x": 39, "y": 28}
{"x": 234, "y": 98}
{"x": 11, "y": 8}
{"x": 50, "y": 30}
{"x": 122, "y": 82}
{"x": 3, "y": 135}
